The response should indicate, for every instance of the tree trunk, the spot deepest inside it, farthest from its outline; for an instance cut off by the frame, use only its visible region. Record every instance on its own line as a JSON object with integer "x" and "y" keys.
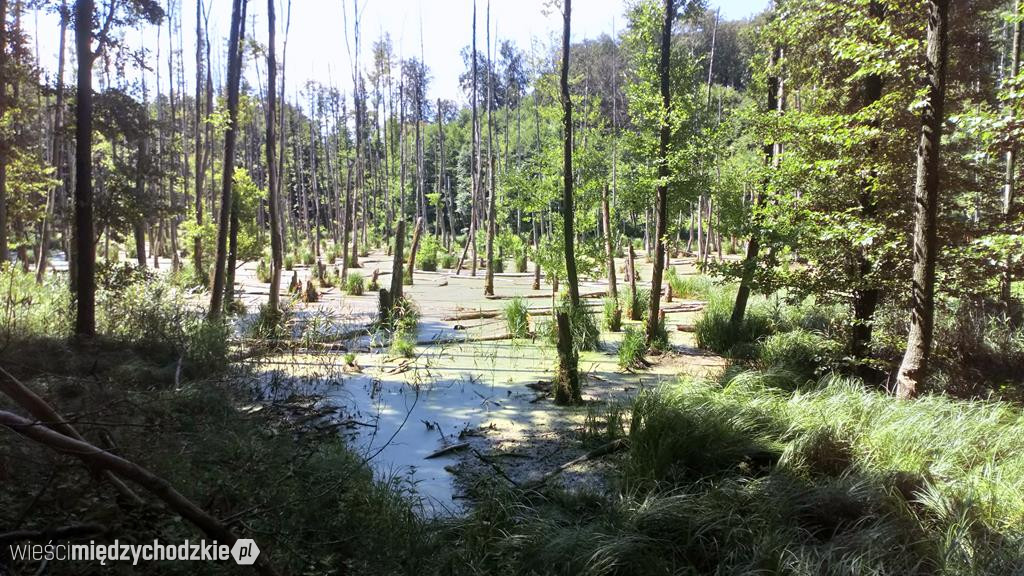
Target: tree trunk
{"x": 492, "y": 191}
{"x": 914, "y": 368}
{"x": 396, "y": 267}
{"x": 567, "y": 383}
{"x": 413, "y": 248}
{"x": 85, "y": 246}
{"x": 661, "y": 223}
{"x": 567, "y": 201}
{"x": 276, "y": 244}
{"x": 739, "y": 308}
{"x": 634, "y": 309}
{"x": 230, "y": 135}
{"x": 1011, "y": 158}
{"x": 609, "y": 251}
{"x": 866, "y": 294}
{"x": 57, "y": 149}
{"x": 197, "y": 244}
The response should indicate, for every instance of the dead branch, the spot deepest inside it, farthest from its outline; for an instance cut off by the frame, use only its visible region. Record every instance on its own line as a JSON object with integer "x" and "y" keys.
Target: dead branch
{"x": 603, "y": 450}
{"x": 154, "y": 484}
{"x": 23, "y": 396}
{"x": 447, "y": 450}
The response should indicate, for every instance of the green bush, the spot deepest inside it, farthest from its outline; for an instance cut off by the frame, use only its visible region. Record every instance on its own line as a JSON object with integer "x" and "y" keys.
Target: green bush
{"x": 517, "y": 318}
{"x": 612, "y": 314}
{"x": 427, "y": 257}
{"x": 585, "y": 331}
{"x": 354, "y": 284}
{"x": 714, "y": 330}
{"x": 801, "y": 352}
{"x": 448, "y": 260}
{"x": 690, "y": 287}
{"x": 633, "y": 349}
{"x": 641, "y": 305}
{"x": 521, "y": 262}
{"x": 289, "y": 262}
{"x": 263, "y": 271}
{"x": 308, "y": 258}
{"x": 499, "y": 265}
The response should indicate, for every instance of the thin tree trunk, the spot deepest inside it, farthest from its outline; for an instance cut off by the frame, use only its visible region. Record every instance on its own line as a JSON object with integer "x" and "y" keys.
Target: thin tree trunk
{"x": 914, "y": 369}
{"x": 57, "y": 146}
{"x": 739, "y": 308}
{"x": 866, "y": 293}
{"x": 661, "y": 207}
{"x": 1011, "y": 157}
{"x": 492, "y": 192}
{"x": 274, "y": 203}
{"x": 567, "y": 200}
{"x": 230, "y": 135}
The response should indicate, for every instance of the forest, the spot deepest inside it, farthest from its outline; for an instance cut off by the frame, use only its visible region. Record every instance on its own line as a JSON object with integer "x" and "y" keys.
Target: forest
{"x": 700, "y": 295}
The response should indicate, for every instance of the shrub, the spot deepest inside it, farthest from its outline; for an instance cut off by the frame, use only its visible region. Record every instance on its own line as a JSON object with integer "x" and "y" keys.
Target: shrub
{"x": 632, "y": 350}
{"x": 499, "y": 265}
{"x": 612, "y": 314}
{"x": 263, "y": 271}
{"x": 690, "y": 287}
{"x": 289, "y": 262}
{"x": 427, "y": 257}
{"x": 585, "y": 331}
{"x": 517, "y": 318}
{"x": 354, "y": 284}
{"x": 638, "y": 308}
{"x": 308, "y": 257}
{"x": 521, "y": 262}
{"x": 714, "y": 330}
{"x": 801, "y": 352}
{"x": 448, "y": 260}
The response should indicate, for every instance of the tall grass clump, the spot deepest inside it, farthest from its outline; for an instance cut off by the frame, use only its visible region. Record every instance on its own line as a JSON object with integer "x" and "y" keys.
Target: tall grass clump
{"x": 612, "y": 314}
{"x": 517, "y": 317}
{"x": 805, "y": 354}
{"x": 586, "y": 335}
{"x": 30, "y": 310}
{"x": 638, "y": 308}
{"x": 632, "y": 350}
{"x": 690, "y": 287}
{"x": 714, "y": 330}
{"x": 355, "y": 284}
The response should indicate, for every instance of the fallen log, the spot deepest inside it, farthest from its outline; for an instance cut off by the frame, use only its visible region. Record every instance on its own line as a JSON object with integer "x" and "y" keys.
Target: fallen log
{"x": 478, "y": 315}
{"x": 603, "y": 450}
{"x": 447, "y": 450}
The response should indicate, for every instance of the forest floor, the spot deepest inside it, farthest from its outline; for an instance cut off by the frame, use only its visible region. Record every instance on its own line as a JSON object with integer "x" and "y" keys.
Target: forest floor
{"x": 486, "y": 399}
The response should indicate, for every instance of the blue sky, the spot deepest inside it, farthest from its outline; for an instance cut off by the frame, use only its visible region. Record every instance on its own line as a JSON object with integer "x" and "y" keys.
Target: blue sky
{"x": 317, "y": 46}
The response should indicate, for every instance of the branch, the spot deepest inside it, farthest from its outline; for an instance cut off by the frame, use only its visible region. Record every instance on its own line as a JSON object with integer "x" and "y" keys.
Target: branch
{"x": 154, "y": 484}
{"x": 45, "y": 414}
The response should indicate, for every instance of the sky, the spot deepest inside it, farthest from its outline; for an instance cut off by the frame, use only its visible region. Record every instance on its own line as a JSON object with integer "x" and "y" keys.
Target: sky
{"x": 317, "y": 43}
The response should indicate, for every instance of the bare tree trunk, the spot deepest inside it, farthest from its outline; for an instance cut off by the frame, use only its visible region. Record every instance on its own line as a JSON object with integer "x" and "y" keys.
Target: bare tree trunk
{"x": 274, "y": 202}
{"x": 413, "y": 248}
{"x": 661, "y": 224}
{"x": 866, "y": 293}
{"x": 57, "y": 144}
{"x": 567, "y": 200}
{"x": 197, "y": 244}
{"x": 739, "y": 308}
{"x": 492, "y": 192}
{"x": 1011, "y": 157}
{"x": 634, "y": 309}
{"x": 567, "y": 384}
{"x": 609, "y": 251}
{"x": 914, "y": 369}
{"x": 85, "y": 246}
{"x": 230, "y": 135}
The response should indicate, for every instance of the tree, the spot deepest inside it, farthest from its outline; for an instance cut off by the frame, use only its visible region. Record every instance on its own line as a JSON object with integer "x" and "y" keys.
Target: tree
{"x": 85, "y": 248}
{"x": 913, "y": 370}
{"x": 661, "y": 200}
{"x": 567, "y": 175}
{"x": 276, "y": 246}
{"x": 227, "y": 178}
